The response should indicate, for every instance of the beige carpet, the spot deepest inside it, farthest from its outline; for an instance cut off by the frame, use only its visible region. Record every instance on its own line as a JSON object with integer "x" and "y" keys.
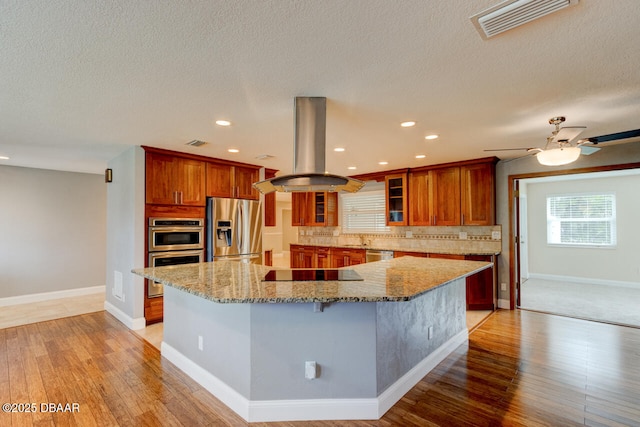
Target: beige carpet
{"x": 610, "y": 304}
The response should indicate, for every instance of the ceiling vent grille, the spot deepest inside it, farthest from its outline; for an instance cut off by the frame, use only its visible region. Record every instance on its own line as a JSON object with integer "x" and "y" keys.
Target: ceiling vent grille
{"x": 512, "y": 14}
{"x": 196, "y": 143}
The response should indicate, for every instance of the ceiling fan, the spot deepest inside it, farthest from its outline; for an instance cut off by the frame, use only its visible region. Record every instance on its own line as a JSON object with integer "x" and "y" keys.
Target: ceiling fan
{"x": 559, "y": 149}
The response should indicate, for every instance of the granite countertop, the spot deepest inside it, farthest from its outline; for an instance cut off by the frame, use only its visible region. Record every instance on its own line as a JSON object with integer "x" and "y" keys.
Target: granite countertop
{"x": 399, "y": 279}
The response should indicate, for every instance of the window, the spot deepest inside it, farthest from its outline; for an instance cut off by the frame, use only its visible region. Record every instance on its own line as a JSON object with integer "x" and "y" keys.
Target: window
{"x": 581, "y": 219}
{"x": 363, "y": 212}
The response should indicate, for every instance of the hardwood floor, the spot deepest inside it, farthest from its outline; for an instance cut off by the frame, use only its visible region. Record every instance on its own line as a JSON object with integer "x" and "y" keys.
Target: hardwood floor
{"x": 520, "y": 368}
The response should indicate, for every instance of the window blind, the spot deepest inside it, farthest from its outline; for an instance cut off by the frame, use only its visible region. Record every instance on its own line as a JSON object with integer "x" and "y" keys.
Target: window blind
{"x": 581, "y": 219}
{"x": 363, "y": 212}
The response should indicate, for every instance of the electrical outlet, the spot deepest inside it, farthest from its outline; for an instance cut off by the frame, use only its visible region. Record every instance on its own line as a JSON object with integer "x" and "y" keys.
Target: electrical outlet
{"x": 336, "y": 233}
{"x": 301, "y": 232}
{"x": 310, "y": 370}
{"x": 503, "y": 286}
{"x": 200, "y": 343}
{"x": 495, "y": 235}
{"x": 409, "y": 234}
{"x": 462, "y": 235}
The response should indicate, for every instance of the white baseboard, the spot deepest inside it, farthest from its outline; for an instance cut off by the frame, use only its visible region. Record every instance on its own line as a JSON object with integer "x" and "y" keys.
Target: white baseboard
{"x": 504, "y": 303}
{"x": 234, "y": 400}
{"x": 128, "y": 321}
{"x": 398, "y": 389}
{"x": 312, "y": 409}
{"x": 47, "y": 296}
{"x": 586, "y": 280}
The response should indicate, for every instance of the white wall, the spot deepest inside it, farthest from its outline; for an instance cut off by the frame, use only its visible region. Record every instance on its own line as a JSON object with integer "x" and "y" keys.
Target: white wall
{"x": 126, "y": 232}
{"x": 611, "y": 155}
{"x": 621, "y": 263}
{"x": 52, "y": 231}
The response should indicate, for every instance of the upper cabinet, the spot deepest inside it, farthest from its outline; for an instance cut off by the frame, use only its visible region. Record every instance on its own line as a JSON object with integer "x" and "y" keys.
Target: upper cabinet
{"x": 231, "y": 181}
{"x": 445, "y": 196}
{"x": 174, "y": 180}
{"x": 396, "y": 203}
{"x": 478, "y": 194}
{"x": 453, "y": 194}
{"x": 435, "y": 196}
{"x": 314, "y": 209}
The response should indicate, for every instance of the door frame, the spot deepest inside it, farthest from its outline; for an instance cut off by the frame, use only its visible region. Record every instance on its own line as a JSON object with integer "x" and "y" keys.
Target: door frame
{"x": 514, "y": 259}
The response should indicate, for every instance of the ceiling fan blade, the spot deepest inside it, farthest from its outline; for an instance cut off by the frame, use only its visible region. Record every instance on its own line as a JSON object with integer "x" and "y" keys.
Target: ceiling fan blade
{"x": 614, "y": 136}
{"x": 588, "y": 149}
{"x": 507, "y": 149}
{"x": 568, "y": 133}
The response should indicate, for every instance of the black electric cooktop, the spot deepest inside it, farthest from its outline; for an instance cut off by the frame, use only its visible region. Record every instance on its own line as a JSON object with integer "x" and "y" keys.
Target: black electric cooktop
{"x": 315, "y": 275}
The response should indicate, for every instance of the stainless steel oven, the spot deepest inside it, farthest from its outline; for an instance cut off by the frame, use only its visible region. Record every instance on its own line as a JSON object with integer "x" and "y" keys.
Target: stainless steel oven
{"x": 174, "y": 241}
{"x": 161, "y": 259}
{"x": 175, "y": 234}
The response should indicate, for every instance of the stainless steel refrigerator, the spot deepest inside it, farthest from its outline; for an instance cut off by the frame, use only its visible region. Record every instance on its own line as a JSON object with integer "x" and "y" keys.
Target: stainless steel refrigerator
{"x": 234, "y": 230}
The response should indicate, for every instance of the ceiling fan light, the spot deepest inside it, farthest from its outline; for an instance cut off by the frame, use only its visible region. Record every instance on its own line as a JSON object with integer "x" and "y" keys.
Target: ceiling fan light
{"x": 558, "y": 156}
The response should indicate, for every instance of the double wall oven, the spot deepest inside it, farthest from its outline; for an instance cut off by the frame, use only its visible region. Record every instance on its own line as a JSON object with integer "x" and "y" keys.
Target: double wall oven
{"x": 174, "y": 241}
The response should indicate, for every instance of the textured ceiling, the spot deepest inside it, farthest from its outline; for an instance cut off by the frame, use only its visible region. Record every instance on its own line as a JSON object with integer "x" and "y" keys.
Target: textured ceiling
{"x": 82, "y": 81}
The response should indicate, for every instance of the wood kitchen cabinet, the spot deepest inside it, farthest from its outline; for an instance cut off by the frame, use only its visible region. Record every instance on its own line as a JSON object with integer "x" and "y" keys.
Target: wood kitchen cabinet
{"x": 481, "y": 286}
{"x": 323, "y": 257}
{"x": 314, "y": 209}
{"x": 456, "y": 194}
{"x": 477, "y": 187}
{"x": 445, "y": 196}
{"x": 399, "y": 254}
{"x": 346, "y": 257}
{"x": 172, "y": 180}
{"x": 396, "y": 199}
{"x": 232, "y": 181}
{"x": 269, "y": 202}
{"x": 420, "y": 210}
{"x": 302, "y": 256}
{"x": 435, "y": 195}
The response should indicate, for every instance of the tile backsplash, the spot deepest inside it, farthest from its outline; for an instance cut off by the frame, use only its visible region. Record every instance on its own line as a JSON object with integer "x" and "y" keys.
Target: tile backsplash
{"x": 449, "y": 239}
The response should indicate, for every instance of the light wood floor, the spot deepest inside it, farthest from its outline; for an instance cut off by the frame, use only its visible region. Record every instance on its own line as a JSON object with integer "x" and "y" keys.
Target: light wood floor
{"x": 21, "y": 314}
{"x": 519, "y": 368}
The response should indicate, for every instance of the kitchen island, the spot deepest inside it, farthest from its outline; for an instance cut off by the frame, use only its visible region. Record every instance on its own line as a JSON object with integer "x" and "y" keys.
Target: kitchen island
{"x": 248, "y": 341}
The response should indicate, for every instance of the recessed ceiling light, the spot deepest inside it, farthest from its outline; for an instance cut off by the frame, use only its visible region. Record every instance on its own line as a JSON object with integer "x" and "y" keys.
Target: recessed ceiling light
{"x": 383, "y": 163}
{"x": 420, "y": 156}
{"x": 223, "y": 122}
{"x": 4, "y": 158}
{"x": 233, "y": 150}
{"x": 407, "y": 124}
{"x": 431, "y": 136}
{"x": 339, "y": 149}
{"x": 351, "y": 168}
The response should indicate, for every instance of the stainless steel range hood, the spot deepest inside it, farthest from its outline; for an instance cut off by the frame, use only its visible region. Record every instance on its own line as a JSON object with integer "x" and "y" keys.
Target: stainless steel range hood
{"x": 309, "y": 154}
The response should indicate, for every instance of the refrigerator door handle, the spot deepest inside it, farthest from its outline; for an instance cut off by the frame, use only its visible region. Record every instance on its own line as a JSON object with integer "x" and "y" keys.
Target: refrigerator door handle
{"x": 240, "y": 229}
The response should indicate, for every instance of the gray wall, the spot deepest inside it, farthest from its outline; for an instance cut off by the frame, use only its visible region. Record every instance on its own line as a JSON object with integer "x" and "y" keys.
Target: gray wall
{"x": 52, "y": 230}
{"x": 611, "y": 155}
{"x": 620, "y": 263}
{"x": 126, "y": 232}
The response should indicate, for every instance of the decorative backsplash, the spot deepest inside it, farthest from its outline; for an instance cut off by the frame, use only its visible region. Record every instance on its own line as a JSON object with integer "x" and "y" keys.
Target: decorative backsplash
{"x": 449, "y": 239}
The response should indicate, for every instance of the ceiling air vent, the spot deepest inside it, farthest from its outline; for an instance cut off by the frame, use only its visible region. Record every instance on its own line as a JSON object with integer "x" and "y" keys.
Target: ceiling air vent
{"x": 196, "y": 143}
{"x": 510, "y": 14}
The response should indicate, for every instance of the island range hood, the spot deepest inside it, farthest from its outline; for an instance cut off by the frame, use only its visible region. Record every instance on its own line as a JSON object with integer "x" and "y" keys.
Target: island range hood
{"x": 309, "y": 154}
